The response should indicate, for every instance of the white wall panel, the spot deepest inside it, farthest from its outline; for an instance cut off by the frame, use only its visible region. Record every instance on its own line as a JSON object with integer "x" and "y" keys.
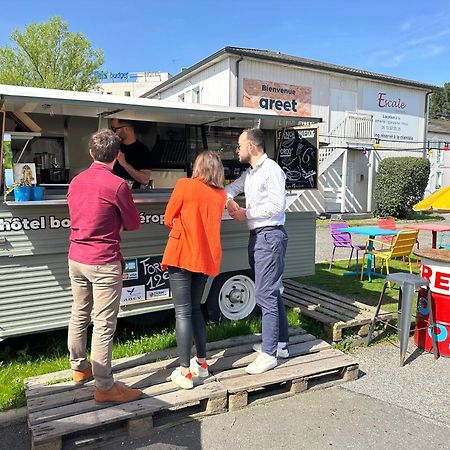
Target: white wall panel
{"x": 213, "y": 82}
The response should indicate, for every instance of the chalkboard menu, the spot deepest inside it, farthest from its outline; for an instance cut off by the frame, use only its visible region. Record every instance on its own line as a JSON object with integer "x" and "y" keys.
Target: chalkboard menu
{"x": 144, "y": 280}
{"x": 298, "y": 156}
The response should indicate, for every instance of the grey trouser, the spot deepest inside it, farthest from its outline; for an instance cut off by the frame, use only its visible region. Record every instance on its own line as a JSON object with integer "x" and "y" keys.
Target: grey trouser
{"x": 187, "y": 291}
{"x": 95, "y": 288}
{"x": 266, "y": 251}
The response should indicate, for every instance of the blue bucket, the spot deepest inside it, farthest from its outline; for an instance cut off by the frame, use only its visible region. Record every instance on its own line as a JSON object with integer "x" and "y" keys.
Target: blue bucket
{"x": 37, "y": 193}
{"x": 22, "y": 193}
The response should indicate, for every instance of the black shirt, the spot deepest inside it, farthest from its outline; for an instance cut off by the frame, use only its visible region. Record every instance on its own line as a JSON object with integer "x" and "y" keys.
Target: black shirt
{"x": 138, "y": 156}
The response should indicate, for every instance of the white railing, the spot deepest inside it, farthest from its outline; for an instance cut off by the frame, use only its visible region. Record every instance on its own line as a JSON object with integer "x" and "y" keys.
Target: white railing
{"x": 358, "y": 127}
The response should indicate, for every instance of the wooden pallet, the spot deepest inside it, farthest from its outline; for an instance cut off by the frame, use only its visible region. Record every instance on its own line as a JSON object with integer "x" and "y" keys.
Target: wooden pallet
{"x": 60, "y": 414}
{"x": 334, "y": 311}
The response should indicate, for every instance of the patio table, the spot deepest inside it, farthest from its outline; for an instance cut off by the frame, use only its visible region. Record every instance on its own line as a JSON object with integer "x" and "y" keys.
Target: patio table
{"x": 433, "y": 227}
{"x": 371, "y": 232}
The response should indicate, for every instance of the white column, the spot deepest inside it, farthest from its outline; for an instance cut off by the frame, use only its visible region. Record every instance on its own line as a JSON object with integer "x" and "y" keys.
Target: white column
{"x": 370, "y": 177}
{"x": 344, "y": 180}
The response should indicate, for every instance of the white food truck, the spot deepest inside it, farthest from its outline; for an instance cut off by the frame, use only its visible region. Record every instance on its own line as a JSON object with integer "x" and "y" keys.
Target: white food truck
{"x": 48, "y": 131}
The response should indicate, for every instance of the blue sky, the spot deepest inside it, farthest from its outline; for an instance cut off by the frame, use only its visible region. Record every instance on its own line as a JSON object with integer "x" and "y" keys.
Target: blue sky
{"x": 407, "y": 39}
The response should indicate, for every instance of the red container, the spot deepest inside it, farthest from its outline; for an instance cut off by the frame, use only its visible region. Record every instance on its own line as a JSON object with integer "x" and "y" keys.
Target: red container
{"x": 441, "y": 313}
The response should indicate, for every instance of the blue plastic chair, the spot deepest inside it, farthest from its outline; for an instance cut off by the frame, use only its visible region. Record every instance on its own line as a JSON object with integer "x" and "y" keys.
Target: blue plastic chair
{"x": 445, "y": 236}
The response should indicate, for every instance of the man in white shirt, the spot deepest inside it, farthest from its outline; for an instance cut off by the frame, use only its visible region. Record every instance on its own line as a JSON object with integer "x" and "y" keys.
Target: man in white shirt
{"x": 265, "y": 198}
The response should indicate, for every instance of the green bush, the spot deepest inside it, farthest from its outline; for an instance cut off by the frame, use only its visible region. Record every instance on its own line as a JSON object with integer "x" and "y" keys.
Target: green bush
{"x": 400, "y": 184}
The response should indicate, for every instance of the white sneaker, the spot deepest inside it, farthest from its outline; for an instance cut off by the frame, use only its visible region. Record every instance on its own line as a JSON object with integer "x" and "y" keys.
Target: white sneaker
{"x": 281, "y": 352}
{"x": 184, "y": 381}
{"x": 261, "y": 364}
{"x": 198, "y": 370}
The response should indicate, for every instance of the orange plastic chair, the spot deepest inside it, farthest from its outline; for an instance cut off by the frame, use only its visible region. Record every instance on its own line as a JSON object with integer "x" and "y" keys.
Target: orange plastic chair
{"x": 401, "y": 246}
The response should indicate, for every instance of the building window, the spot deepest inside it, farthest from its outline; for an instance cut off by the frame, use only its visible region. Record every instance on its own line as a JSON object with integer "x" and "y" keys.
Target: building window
{"x": 438, "y": 183}
{"x": 196, "y": 95}
{"x": 127, "y": 94}
{"x": 109, "y": 93}
{"x": 181, "y": 98}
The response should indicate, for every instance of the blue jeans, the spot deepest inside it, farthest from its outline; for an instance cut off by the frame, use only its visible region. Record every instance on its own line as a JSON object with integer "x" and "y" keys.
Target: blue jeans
{"x": 187, "y": 291}
{"x": 266, "y": 252}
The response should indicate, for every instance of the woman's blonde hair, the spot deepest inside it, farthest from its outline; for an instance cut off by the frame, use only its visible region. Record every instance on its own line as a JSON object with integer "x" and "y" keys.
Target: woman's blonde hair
{"x": 209, "y": 168}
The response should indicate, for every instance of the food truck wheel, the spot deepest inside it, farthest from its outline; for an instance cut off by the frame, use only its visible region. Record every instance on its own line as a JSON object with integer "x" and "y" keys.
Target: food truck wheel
{"x": 232, "y": 296}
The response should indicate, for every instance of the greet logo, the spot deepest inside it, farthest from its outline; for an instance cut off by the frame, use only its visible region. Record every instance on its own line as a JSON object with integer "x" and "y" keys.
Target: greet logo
{"x": 284, "y": 99}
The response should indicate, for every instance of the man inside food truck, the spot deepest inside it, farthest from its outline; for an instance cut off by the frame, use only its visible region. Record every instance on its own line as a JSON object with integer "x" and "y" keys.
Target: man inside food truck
{"x": 134, "y": 160}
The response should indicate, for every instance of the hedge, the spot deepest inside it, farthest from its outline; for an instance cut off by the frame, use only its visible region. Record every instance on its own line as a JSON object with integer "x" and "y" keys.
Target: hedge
{"x": 400, "y": 184}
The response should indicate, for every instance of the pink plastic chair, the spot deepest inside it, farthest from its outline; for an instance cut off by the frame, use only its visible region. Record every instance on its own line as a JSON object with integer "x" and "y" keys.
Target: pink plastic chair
{"x": 342, "y": 239}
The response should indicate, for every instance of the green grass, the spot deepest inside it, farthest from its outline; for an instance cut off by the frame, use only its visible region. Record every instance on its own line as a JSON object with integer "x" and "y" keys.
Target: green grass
{"x": 45, "y": 353}
{"x": 352, "y": 287}
{"x": 21, "y": 358}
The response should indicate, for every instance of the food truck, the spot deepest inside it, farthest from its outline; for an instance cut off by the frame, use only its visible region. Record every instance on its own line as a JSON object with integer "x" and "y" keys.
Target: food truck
{"x": 48, "y": 132}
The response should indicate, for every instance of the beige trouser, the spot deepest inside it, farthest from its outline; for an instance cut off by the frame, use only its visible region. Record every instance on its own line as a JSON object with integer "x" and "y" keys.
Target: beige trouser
{"x": 98, "y": 288}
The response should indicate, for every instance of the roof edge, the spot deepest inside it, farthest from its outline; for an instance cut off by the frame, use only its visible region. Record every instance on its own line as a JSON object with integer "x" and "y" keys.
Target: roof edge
{"x": 300, "y": 62}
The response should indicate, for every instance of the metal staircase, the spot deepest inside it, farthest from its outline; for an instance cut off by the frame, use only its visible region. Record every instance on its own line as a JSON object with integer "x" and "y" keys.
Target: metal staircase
{"x": 355, "y": 129}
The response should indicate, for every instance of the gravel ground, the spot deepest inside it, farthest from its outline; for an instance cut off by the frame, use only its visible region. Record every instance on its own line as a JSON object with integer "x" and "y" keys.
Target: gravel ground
{"x": 421, "y": 385}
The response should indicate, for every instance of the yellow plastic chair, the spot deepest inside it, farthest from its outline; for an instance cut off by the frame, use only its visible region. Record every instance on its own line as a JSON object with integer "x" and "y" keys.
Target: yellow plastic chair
{"x": 402, "y": 245}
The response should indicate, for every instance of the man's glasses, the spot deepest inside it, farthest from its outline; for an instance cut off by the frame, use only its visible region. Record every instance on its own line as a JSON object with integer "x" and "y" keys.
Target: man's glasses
{"x": 117, "y": 128}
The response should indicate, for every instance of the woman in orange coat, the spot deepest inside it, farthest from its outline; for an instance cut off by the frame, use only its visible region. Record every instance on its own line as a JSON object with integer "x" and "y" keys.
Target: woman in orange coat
{"x": 193, "y": 251}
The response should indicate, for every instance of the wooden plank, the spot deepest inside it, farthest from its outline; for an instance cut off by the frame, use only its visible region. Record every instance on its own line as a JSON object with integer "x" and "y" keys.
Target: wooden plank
{"x": 327, "y": 308}
{"x": 317, "y": 308}
{"x": 316, "y": 297}
{"x": 75, "y": 402}
{"x": 285, "y": 373}
{"x": 341, "y": 298}
{"x": 159, "y": 355}
{"x": 302, "y": 359}
{"x": 355, "y": 309}
{"x": 335, "y": 298}
{"x": 248, "y": 348}
{"x": 235, "y": 361}
{"x": 140, "y": 408}
{"x": 325, "y": 305}
{"x": 312, "y": 313}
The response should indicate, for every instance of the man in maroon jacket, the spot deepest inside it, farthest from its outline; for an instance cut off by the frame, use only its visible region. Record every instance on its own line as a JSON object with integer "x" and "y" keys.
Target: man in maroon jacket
{"x": 100, "y": 207}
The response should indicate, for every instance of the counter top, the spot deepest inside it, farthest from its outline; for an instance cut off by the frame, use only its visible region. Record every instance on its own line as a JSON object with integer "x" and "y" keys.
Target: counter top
{"x": 59, "y": 198}
{"x": 441, "y": 255}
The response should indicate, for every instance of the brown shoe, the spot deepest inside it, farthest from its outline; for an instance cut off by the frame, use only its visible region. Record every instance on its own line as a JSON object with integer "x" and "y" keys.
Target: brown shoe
{"x": 83, "y": 376}
{"x": 117, "y": 394}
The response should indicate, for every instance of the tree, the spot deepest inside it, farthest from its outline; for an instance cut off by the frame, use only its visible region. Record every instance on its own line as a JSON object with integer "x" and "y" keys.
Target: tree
{"x": 440, "y": 103}
{"x": 47, "y": 55}
{"x": 400, "y": 184}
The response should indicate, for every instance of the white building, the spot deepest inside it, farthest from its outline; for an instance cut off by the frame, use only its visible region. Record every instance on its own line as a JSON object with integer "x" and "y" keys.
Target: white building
{"x": 131, "y": 84}
{"x": 366, "y": 116}
{"x": 438, "y": 147}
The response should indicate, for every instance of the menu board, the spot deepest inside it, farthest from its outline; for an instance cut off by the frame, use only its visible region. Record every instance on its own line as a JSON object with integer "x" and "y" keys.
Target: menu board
{"x": 144, "y": 280}
{"x": 298, "y": 156}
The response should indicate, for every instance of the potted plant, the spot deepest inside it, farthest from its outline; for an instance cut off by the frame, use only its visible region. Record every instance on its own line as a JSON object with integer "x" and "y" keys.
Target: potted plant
{"x": 22, "y": 191}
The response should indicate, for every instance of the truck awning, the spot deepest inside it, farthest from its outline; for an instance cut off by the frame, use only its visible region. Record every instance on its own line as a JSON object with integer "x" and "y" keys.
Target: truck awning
{"x": 87, "y": 104}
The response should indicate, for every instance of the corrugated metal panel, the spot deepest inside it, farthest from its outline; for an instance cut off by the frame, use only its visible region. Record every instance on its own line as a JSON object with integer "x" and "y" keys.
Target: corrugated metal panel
{"x": 35, "y": 292}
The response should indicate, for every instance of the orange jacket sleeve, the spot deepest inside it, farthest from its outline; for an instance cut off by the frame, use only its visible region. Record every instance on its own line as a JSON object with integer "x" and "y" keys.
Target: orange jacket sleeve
{"x": 174, "y": 206}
